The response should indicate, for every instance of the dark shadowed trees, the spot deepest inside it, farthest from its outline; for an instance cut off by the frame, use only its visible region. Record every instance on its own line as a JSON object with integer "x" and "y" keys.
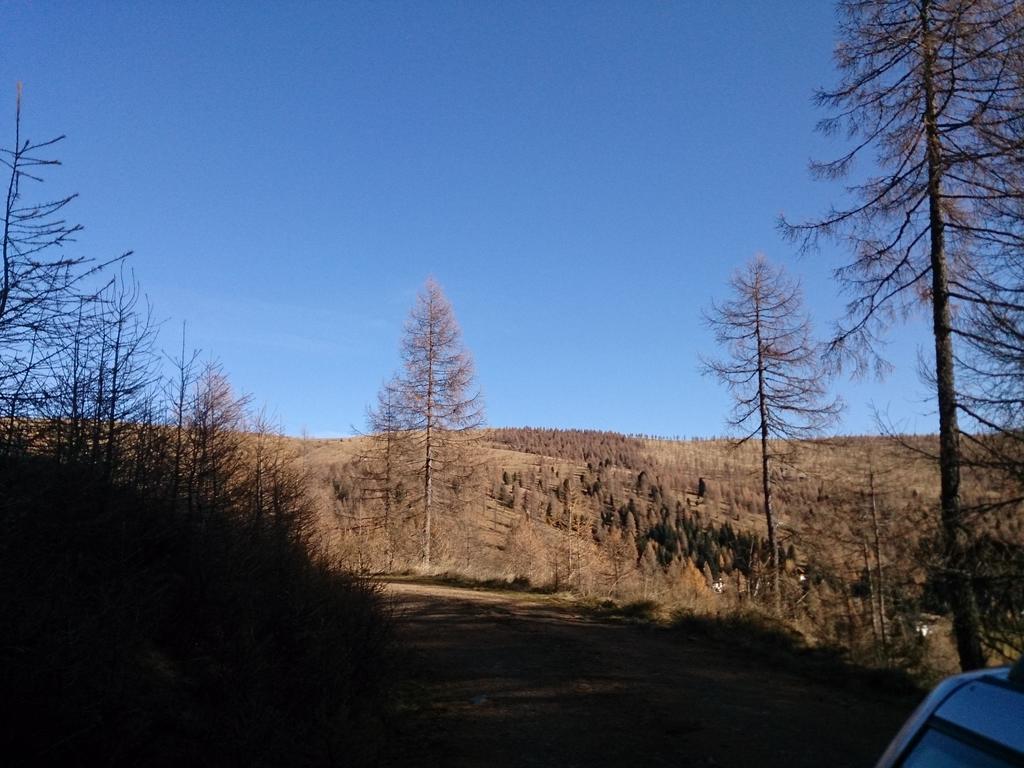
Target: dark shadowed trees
{"x": 127, "y": 367}
{"x": 38, "y": 281}
{"x": 148, "y": 526}
{"x": 772, "y": 369}
{"x": 932, "y": 88}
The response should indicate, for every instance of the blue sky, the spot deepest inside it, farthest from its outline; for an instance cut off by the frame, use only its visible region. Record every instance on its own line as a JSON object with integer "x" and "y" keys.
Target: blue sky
{"x": 581, "y": 178}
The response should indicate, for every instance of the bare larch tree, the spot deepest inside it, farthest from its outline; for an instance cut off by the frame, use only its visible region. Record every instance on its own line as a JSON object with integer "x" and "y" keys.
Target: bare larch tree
{"x": 439, "y": 402}
{"x": 933, "y": 89}
{"x": 773, "y": 370}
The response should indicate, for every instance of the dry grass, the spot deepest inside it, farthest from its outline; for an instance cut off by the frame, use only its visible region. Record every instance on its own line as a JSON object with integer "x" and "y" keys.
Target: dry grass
{"x": 514, "y": 527}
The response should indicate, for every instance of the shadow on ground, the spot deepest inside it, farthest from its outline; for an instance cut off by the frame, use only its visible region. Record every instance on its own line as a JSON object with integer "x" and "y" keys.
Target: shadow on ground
{"x": 522, "y": 680}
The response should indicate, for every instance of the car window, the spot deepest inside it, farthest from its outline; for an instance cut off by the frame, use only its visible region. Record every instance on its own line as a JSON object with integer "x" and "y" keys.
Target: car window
{"x": 940, "y": 750}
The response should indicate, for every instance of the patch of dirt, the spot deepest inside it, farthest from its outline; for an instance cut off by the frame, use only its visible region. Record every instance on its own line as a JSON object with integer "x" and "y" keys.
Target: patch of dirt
{"x": 525, "y": 680}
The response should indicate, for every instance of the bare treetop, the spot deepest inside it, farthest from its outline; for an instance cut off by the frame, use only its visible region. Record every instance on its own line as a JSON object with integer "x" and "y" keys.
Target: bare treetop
{"x": 932, "y": 90}
{"x": 766, "y": 335}
{"x": 438, "y": 376}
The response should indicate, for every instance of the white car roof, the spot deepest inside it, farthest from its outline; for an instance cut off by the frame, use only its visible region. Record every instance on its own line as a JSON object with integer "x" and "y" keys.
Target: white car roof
{"x": 987, "y": 702}
{"x": 990, "y": 707}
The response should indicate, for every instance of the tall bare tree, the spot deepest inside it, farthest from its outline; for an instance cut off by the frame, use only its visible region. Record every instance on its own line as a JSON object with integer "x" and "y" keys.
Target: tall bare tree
{"x": 38, "y": 279}
{"x": 933, "y": 88}
{"x": 773, "y": 371}
{"x": 127, "y": 337}
{"x": 439, "y": 402}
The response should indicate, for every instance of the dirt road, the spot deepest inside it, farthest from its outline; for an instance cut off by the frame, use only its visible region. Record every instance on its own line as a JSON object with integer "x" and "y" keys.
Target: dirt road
{"x": 504, "y": 679}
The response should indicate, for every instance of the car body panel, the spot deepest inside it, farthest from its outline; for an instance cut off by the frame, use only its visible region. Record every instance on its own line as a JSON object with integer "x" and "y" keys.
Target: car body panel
{"x": 985, "y": 706}
{"x": 991, "y": 710}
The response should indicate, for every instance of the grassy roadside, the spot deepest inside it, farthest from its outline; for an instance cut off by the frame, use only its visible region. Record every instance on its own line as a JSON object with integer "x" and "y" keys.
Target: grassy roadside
{"x": 759, "y": 635}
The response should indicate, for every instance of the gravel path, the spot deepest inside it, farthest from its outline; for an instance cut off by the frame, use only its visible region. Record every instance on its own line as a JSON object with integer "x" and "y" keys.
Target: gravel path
{"x": 503, "y": 679}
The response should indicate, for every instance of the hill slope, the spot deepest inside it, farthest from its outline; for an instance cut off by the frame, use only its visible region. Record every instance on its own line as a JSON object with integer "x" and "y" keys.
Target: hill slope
{"x": 608, "y": 515}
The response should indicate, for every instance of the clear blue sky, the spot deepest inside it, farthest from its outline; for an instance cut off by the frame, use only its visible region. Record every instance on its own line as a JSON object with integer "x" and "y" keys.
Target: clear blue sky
{"x": 580, "y": 177}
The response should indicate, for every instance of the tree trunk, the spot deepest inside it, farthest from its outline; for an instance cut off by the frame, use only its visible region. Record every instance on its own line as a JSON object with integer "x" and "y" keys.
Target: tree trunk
{"x": 428, "y": 491}
{"x": 428, "y": 467}
{"x": 115, "y": 371}
{"x": 12, "y": 198}
{"x": 766, "y": 486}
{"x": 389, "y": 533}
{"x": 879, "y": 578}
{"x": 966, "y": 619}
{"x": 871, "y": 592}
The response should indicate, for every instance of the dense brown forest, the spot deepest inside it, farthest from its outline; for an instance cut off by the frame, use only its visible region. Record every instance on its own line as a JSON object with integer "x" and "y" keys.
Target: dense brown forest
{"x": 610, "y": 516}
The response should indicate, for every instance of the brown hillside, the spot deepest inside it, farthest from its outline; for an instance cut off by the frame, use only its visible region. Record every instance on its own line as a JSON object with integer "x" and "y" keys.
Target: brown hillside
{"x": 608, "y": 515}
